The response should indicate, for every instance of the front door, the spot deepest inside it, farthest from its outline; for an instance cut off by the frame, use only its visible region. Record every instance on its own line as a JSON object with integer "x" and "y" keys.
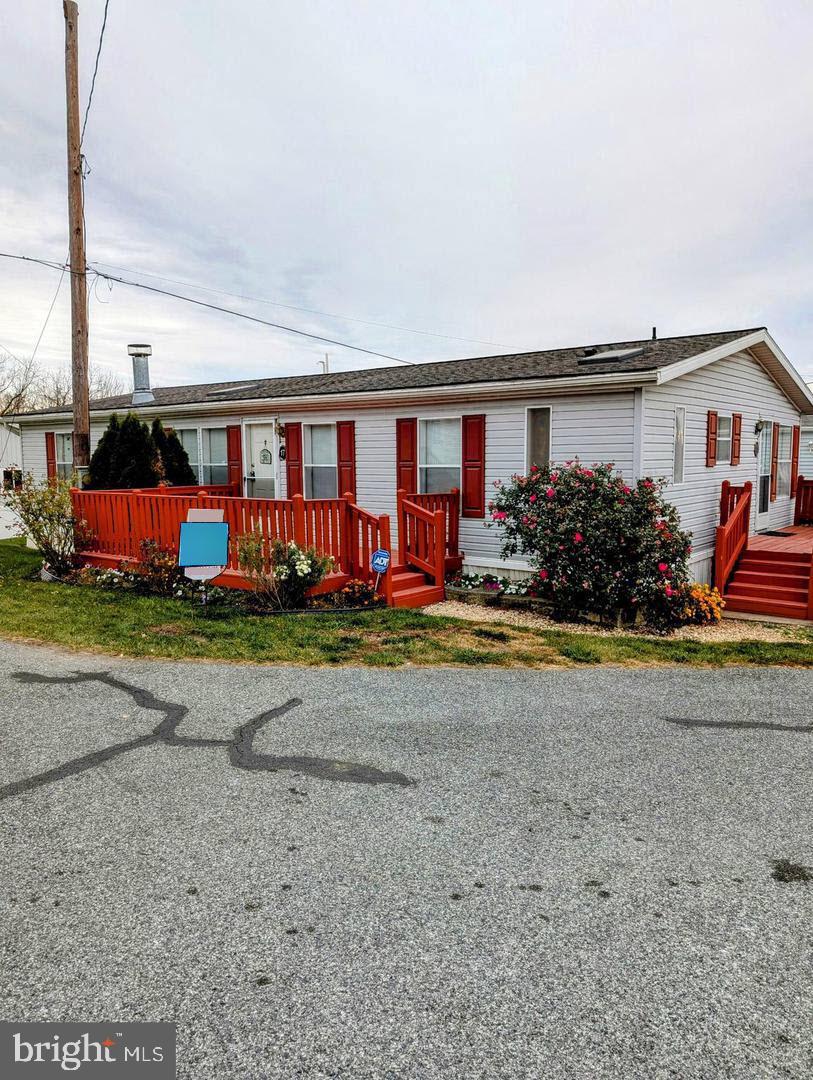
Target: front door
{"x": 261, "y": 466}
{"x": 764, "y": 477}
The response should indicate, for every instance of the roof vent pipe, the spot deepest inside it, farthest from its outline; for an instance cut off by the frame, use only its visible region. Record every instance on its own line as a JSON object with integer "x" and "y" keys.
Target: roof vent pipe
{"x": 654, "y": 333}
{"x": 142, "y": 394}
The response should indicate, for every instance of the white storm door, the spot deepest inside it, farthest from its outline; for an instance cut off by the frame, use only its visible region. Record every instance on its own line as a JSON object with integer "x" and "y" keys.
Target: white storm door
{"x": 763, "y": 491}
{"x": 262, "y": 464}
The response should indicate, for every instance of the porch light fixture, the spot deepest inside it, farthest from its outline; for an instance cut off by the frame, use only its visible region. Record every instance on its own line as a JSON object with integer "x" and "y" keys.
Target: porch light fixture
{"x": 760, "y": 426}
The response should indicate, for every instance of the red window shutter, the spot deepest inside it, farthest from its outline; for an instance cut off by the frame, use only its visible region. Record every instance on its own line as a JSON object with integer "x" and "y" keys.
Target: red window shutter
{"x": 774, "y": 460}
{"x": 736, "y": 438}
{"x": 711, "y": 439}
{"x": 473, "y": 495}
{"x": 50, "y": 454}
{"x": 794, "y": 460}
{"x": 346, "y": 456}
{"x": 234, "y": 454}
{"x": 293, "y": 459}
{"x": 406, "y": 454}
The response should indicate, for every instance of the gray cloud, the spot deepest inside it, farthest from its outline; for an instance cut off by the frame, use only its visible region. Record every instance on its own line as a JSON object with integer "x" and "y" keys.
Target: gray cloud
{"x": 528, "y": 174}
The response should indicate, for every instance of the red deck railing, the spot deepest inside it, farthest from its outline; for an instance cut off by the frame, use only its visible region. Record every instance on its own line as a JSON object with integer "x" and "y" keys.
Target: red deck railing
{"x": 117, "y": 521}
{"x": 422, "y": 538}
{"x": 730, "y": 495}
{"x": 732, "y": 533}
{"x": 449, "y": 503}
{"x": 364, "y": 534}
{"x": 187, "y": 489}
{"x": 803, "y": 513}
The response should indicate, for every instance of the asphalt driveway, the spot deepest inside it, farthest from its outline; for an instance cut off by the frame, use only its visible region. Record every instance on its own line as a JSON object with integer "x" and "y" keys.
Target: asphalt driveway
{"x": 358, "y": 873}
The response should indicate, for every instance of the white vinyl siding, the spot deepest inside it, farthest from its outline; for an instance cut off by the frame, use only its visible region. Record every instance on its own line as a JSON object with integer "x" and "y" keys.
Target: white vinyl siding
{"x": 737, "y": 384}
{"x": 592, "y": 427}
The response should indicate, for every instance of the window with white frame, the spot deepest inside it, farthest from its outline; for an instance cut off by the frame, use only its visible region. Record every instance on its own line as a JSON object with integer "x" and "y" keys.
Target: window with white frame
{"x": 188, "y": 438}
{"x": 64, "y": 456}
{"x": 439, "y": 451}
{"x": 215, "y": 463}
{"x": 680, "y": 445}
{"x": 319, "y": 450}
{"x": 783, "y": 463}
{"x": 723, "y": 440}
{"x": 537, "y": 438}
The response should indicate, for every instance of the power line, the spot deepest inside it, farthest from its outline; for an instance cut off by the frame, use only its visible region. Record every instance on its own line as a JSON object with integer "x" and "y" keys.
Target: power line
{"x": 212, "y": 307}
{"x": 95, "y": 71}
{"x": 292, "y": 307}
{"x": 50, "y": 309}
{"x": 249, "y": 318}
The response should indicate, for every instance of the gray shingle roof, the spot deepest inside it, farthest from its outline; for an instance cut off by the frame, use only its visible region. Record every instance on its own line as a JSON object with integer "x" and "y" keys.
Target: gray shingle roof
{"x": 550, "y": 364}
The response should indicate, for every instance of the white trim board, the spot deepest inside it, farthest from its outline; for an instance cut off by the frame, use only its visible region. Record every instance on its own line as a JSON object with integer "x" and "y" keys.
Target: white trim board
{"x": 638, "y": 434}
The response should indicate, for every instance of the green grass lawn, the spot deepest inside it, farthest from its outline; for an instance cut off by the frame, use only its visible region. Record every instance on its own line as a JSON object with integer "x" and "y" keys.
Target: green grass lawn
{"x": 120, "y": 623}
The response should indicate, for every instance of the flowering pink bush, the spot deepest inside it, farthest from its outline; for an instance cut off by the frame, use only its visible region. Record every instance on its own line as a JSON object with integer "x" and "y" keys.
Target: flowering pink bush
{"x": 597, "y": 544}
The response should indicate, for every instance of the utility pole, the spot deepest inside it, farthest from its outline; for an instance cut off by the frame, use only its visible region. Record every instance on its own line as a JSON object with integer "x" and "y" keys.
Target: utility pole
{"x": 76, "y": 228}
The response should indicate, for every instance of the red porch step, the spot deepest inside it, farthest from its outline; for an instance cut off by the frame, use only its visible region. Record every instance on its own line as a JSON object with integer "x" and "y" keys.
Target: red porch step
{"x": 411, "y": 588}
{"x": 769, "y": 582}
{"x": 789, "y": 589}
{"x": 759, "y": 575}
{"x": 761, "y": 606}
{"x": 781, "y": 563}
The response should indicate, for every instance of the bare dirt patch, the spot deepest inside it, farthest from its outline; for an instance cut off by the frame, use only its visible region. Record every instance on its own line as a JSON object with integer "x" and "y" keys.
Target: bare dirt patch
{"x": 174, "y": 630}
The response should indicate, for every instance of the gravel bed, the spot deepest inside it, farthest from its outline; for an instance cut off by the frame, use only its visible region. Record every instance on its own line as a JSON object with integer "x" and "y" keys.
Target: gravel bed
{"x": 727, "y": 630}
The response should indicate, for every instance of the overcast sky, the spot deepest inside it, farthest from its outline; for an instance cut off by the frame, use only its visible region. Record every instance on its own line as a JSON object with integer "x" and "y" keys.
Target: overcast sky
{"x": 524, "y": 174}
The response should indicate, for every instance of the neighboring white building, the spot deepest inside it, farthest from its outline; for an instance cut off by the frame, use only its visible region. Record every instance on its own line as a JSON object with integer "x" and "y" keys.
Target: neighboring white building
{"x": 695, "y": 410}
{"x": 806, "y": 448}
{"x": 10, "y": 446}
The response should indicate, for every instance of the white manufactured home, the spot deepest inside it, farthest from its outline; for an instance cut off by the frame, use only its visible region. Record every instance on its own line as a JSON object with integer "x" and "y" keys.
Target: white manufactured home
{"x": 696, "y": 410}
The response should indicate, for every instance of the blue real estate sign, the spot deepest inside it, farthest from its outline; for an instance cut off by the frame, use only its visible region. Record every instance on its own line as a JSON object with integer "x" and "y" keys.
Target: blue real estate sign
{"x": 204, "y": 543}
{"x": 380, "y": 561}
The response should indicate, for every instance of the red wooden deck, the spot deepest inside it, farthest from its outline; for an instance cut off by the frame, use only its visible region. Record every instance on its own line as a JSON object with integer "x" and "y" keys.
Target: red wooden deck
{"x": 800, "y": 540}
{"x": 115, "y": 523}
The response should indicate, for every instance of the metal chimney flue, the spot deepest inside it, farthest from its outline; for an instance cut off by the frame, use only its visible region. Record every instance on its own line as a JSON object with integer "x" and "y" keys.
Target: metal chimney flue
{"x": 142, "y": 394}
